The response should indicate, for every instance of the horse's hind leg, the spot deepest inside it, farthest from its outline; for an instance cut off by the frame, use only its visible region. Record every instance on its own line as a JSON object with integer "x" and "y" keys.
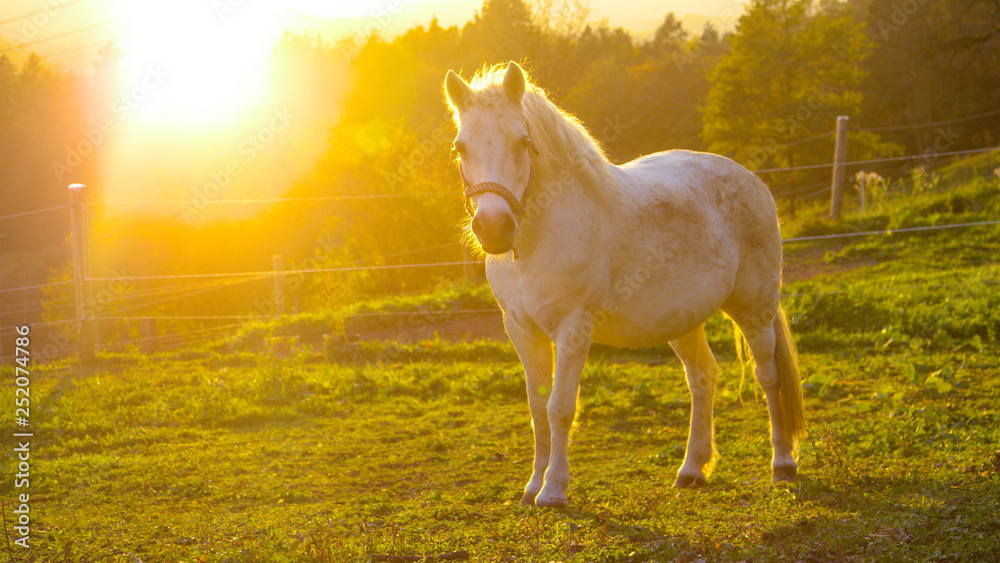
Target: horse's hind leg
{"x": 777, "y": 371}
{"x": 701, "y": 370}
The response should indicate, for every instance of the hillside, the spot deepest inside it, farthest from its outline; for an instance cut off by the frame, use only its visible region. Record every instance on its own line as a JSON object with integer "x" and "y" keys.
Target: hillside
{"x": 281, "y": 444}
{"x": 961, "y": 193}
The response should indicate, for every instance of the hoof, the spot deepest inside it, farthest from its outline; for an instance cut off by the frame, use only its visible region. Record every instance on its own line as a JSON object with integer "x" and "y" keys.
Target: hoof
{"x": 785, "y": 473}
{"x": 689, "y": 481}
{"x": 550, "y": 502}
{"x": 528, "y": 499}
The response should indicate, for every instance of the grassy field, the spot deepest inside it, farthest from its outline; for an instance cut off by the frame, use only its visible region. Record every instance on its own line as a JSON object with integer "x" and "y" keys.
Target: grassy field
{"x": 260, "y": 449}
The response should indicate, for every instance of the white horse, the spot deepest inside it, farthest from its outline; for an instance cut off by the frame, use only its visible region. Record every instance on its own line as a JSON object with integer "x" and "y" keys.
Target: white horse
{"x": 580, "y": 250}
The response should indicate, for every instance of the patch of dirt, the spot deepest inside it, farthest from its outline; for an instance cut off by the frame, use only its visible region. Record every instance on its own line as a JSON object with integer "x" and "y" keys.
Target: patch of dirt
{"x": 461, "y": 328}
{"x": 808, "y": 263}
{"x": 800, "y": 265}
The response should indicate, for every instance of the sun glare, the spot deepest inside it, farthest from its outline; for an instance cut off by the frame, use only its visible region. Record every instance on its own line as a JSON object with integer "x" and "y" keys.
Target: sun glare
{"x": 195, "y": 106}
{"x": 193, "y": 60}
{"x": 206, "y": 60}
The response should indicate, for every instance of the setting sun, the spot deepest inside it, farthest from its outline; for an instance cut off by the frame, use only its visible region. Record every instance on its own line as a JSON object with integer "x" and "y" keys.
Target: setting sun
{"x": 197, "y": 62}
{"x": 212, "y": 56}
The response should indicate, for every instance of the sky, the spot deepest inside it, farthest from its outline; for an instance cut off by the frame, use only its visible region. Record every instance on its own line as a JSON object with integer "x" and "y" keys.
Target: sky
{"x": 195, "y": 70}
{"x": 70, "y": 32}
{"x": 213, "y": 50}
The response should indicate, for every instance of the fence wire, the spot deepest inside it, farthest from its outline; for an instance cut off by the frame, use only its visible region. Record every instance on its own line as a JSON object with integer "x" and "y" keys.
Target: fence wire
{"x": 199, "y": 283}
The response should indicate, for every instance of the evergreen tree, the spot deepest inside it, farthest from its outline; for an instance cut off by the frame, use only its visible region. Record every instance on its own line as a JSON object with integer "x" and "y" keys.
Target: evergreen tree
{"x": 502, "y": 31}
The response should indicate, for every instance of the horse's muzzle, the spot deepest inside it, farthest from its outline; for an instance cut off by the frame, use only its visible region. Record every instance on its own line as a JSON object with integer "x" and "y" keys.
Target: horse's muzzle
{"x": 495, "y": 230}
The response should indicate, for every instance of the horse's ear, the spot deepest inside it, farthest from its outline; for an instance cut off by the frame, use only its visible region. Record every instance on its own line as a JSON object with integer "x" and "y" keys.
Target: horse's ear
{"x": 513, "y": 82}
{"x": 459, "y": 93}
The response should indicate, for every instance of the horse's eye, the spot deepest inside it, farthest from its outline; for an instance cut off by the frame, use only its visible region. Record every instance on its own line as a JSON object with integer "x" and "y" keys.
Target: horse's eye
{"x": 524, "y": 144}
{"x": 459, "y": 147}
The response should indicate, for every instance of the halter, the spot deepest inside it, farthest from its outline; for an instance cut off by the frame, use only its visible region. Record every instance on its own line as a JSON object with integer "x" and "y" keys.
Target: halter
{"x": 516, "y": 206}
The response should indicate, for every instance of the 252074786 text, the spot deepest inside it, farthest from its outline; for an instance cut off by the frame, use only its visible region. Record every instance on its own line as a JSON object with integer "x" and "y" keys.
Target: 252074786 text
{"x": 23, "y": 436}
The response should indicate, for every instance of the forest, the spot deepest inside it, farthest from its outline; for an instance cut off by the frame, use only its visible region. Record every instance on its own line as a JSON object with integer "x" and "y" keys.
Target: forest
{"x": 348, "y": 165}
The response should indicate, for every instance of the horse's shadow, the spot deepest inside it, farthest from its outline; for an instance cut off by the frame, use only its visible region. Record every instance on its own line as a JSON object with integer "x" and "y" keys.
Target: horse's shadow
{"x": 859, "y": 518}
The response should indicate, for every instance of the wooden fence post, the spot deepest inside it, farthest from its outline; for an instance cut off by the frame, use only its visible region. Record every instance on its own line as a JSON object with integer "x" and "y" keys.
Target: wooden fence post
{"x": 279, "y": 285}
{"x": 78, "y": 222}
{"x": 864, "y": 184}
{"x": 467, "y": 271}
{"x": 839, "y": 158}
{"x": 147, "y": 335}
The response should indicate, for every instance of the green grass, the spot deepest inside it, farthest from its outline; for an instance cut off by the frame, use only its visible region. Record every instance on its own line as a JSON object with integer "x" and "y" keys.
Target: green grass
{"x": 963, "y": 192}
{"x": 240, "y": 451}
{"x": 393, "y": 313}
{"x": 307, "y": 461}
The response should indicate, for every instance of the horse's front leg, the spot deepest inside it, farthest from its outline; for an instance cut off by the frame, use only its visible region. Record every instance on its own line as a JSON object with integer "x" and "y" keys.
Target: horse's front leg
{"x": 571, "y": 354}
{"x": 535, "y": 351}
{"x": 701, "y": 371}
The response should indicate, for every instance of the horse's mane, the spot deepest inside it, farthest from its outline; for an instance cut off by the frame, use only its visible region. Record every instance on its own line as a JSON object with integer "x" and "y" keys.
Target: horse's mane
{"x": 561, "y": 141}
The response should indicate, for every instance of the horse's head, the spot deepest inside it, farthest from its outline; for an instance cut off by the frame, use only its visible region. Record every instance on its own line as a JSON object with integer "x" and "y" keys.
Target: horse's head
{"x": 493, "y": 146}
